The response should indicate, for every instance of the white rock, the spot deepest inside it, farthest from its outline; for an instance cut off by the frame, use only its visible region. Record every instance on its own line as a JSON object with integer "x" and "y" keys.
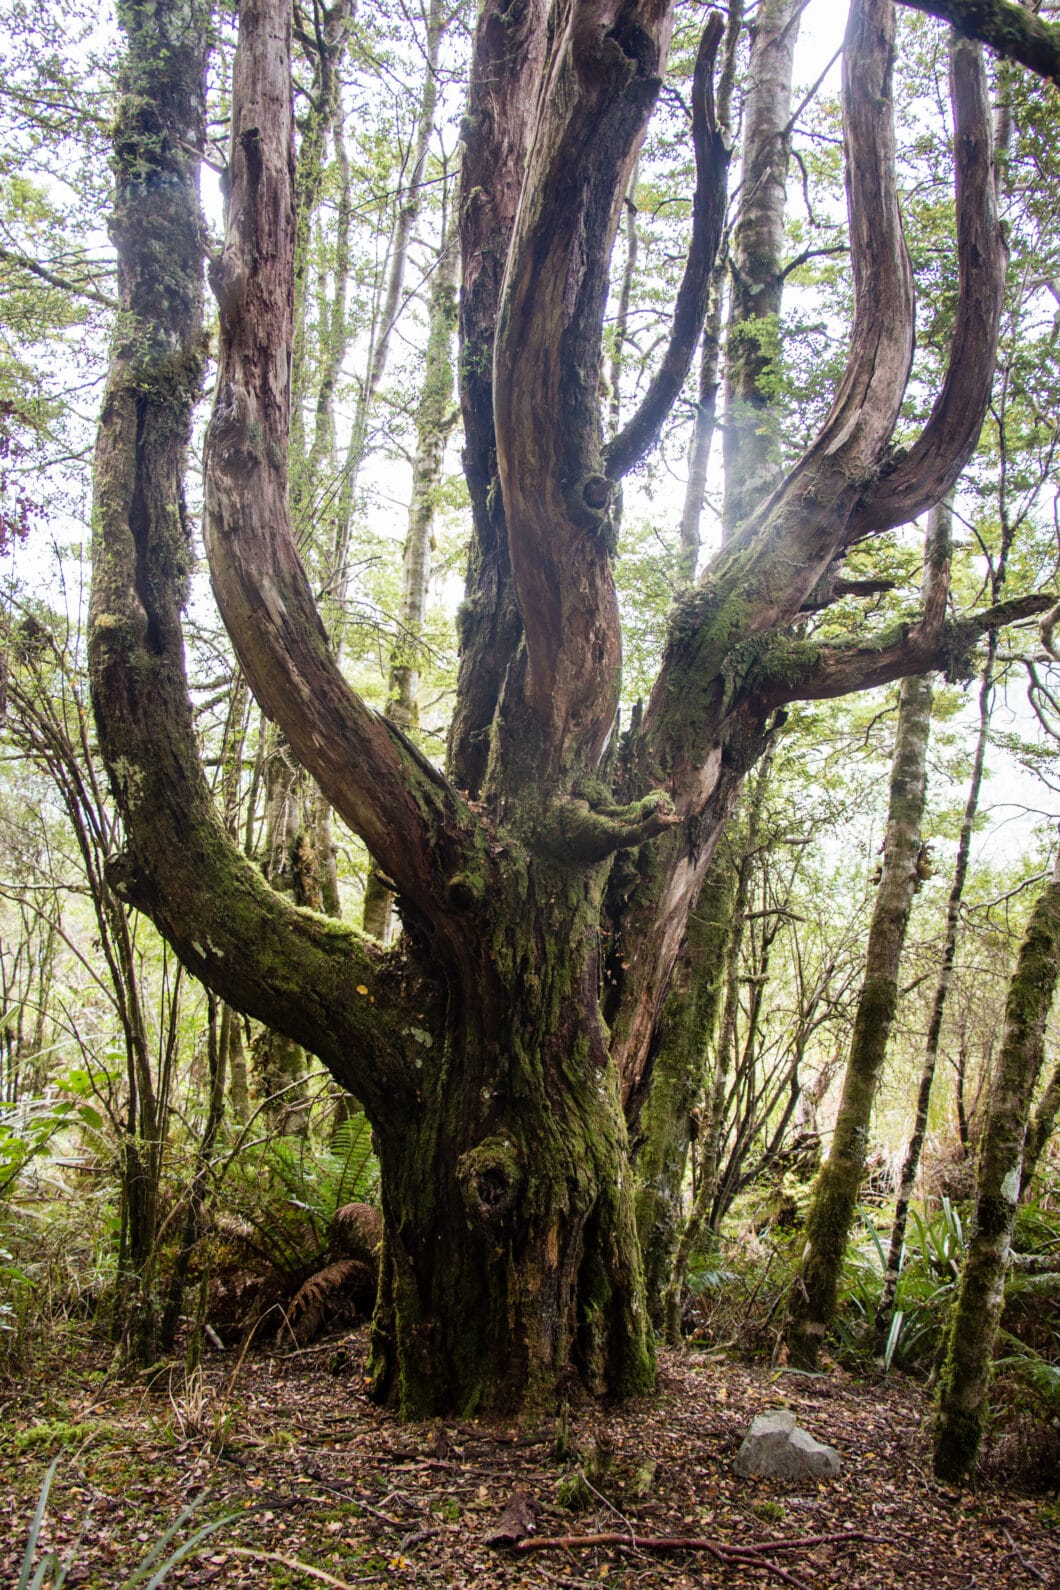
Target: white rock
{"x": 775, "y": 1447}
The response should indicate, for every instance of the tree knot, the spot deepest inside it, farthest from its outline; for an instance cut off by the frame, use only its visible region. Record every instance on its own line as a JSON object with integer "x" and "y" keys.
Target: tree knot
{"x": 490, "y": 1178}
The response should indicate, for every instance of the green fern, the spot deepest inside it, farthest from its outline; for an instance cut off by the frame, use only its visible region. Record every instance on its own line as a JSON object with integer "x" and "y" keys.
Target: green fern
{"x": 288, "y": 1192}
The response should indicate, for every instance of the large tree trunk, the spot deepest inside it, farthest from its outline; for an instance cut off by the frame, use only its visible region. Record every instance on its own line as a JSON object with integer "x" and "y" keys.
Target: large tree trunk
{"x": 511, "y": 1257}
{"x": 981, "y": 1292}
{"x": 511, "y": 1265}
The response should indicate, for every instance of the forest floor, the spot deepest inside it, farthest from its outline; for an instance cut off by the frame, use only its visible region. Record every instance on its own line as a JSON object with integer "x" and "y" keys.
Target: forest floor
{"x": 316, "y": 1486}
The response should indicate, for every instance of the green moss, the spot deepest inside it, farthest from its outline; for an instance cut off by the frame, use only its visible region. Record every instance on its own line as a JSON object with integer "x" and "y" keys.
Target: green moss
{"x": 957, "y": 1439}
{"x": 994, "y": 1215}
{"x": 490, "y": 1178}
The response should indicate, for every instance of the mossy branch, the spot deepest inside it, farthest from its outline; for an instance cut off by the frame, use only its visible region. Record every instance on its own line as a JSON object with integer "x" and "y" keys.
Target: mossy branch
{"x": 791, "y": 669}
{"x": 576, "y": 831}
{"x": 1011, "y": 31}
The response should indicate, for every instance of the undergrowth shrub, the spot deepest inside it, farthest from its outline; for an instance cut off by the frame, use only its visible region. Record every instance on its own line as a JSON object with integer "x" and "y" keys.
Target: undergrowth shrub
{"x": 293, "y": 1243}
{"x": 737, "y": 1292}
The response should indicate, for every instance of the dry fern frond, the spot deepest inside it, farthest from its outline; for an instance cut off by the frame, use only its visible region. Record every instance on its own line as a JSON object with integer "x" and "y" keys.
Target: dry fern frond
{"x": 356, "y": 1230}
{"x": 330, "y": 1294}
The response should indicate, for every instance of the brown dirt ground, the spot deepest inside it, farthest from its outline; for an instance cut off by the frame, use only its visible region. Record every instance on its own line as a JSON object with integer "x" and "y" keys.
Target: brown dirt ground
{"x": 317, "y": 1477}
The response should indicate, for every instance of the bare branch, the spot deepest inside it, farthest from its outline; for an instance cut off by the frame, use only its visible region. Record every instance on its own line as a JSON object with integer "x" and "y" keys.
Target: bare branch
{"x": 641, "y": 432}
{"x": 78, "y": 289}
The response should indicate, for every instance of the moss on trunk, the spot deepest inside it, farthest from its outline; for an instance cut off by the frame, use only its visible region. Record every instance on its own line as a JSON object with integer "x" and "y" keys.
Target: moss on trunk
{"x": 835, "y": 1193}
{"x": 981, "y": 1293}
{"x": 512, "y": 1263}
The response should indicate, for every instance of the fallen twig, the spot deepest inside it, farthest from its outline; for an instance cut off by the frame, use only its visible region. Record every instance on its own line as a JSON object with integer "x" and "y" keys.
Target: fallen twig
{"x": 1028, "y": 1567}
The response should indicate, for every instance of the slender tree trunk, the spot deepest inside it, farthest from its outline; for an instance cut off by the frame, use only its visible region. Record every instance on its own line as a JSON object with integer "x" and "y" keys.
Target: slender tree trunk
{"x": 981, "y": 1293}
{"x": 703, "y": 429}
{"x": 705, "y": 421}
{"x": 665, "y": 1129}
{"x": 194, "y": 1220}
{"x": 411, "y": 203}
{"x": 621, "y": 328}
{"x": 752, "y": 448}
{"x": 727, "y": 977}
{"x": 911, "y": 1163}
{"x": 435, "y": 416}
{"x": 835, "y": 1193}
{"x": 690, "y": 1010}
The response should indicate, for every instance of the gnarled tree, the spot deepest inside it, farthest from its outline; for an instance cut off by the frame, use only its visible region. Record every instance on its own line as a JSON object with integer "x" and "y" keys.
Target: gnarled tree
{"x": 477, "y": 1043}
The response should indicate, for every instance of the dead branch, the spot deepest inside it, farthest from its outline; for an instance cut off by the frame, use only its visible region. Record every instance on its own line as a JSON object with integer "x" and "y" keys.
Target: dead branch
{"x": 752, "y": 1555}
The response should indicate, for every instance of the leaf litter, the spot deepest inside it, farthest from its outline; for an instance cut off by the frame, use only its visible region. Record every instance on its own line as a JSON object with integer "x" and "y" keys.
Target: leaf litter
{"x": 329, "y": 1489}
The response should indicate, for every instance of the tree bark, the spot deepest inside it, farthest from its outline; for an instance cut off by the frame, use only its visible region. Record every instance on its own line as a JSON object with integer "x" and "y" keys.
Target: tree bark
{"x": 981, "y": 1293}
{"x": 727, "y": 995}
{"x": 911, "y": 1163}
{"x": 752, "y": 353}
{"x": 1015, "y": 32}
{"x": 665, "y": 1128}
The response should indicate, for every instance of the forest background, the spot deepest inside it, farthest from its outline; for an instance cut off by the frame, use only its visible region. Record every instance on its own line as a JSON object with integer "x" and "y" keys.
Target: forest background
{"x": 171, "y": 1171}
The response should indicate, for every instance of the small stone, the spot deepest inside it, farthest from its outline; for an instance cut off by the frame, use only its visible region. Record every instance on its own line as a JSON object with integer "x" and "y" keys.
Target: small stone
{"x": 775, "y": 1447}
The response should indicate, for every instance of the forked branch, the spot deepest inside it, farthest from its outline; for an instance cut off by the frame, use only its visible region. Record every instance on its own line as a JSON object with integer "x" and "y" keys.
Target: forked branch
{"x": 401, "y": 807}
{"x": 933, "y": 465}
{"x": 599, "y": 88}
{"x": 791, "y": 540}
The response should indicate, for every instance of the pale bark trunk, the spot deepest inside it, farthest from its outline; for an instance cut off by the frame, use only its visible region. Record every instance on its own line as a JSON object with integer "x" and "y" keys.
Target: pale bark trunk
{"x": 618, "y": 351}
{"x": 704, "y": 426}
{"x": 752, "y": 355}
{"x": 411, "y": 204}
{"x": 705, "y": 421}
{"x": 981, "y": 1293}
